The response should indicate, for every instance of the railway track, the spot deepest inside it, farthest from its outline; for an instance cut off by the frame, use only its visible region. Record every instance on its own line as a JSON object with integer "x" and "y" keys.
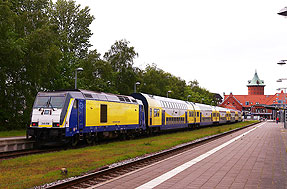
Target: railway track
{"x": 115, "y": 170}
{"x": 14, "y": 154}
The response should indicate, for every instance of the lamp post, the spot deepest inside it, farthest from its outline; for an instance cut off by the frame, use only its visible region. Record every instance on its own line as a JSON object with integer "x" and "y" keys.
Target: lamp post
{"x": 167, "y": 93}
{"x": 283, "y": 12}
{"x": 76, "y": 71}
{"x": 187, "y": 97}
{"x": 281, "y": 79}
{"x": 135, "y": 86}
{"x": 282, "y": 62}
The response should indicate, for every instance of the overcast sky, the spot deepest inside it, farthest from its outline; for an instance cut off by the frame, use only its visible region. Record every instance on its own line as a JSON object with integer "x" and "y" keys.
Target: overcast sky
{"x": 219, "y": 43}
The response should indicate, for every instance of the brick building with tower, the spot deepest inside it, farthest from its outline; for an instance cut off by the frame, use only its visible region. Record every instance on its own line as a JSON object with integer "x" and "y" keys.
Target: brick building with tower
{"x": 256, "y": 103}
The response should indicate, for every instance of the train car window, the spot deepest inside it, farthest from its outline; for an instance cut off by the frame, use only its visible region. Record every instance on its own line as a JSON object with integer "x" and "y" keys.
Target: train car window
{"x": 150, "y": 112}
{"x": 104, "y": 113}
{"x": 75, "y": 105}
{"x": 197, "y": 114}
{"x": 121, "y": 98}
{"x": 88, "y": 95}
{"x": 127, "y": 99}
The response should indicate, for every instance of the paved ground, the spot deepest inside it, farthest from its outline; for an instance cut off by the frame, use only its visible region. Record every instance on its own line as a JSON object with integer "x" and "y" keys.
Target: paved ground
{"x": 257, "y": 159}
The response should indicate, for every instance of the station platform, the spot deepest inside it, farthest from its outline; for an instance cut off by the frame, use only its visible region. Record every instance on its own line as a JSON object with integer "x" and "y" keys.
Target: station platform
{"x": 254, "y": 157}
{"x": 8, "y": 144}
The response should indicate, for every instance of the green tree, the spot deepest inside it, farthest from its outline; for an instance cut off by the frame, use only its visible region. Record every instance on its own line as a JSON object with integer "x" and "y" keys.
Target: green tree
{"x": 28, "y": 57}
{"x": 154, "y": 81}
{"x": 41, "y": 44}
{"x": 199, "y": 94}
{"x": 121, "y": 58}
{"x": 98, "y": 74}
{"x": 72, "y": 25}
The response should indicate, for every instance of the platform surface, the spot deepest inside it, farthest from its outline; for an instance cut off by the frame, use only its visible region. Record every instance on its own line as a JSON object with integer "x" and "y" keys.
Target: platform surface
{"x": 255, "y": 157}
{"x": 13, "y": 138}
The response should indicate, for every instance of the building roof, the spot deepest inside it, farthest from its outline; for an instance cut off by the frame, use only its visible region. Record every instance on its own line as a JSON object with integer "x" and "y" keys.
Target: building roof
{"x": 255, "y": 81}
{"x": 251, "y": 100}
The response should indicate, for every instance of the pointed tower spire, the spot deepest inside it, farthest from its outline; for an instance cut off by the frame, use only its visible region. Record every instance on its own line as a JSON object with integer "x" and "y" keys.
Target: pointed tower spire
{"x": 255, "y": 86}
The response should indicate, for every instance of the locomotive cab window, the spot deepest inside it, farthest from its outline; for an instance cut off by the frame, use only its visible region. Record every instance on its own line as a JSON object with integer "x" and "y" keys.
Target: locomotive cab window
{"x": 104, "y": 113}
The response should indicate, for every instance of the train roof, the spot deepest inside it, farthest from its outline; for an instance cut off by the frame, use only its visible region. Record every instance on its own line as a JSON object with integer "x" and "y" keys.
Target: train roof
{"x": 158, "y": 101}
{"x": 92, "y": 95}
{"x": 205, "y": 107}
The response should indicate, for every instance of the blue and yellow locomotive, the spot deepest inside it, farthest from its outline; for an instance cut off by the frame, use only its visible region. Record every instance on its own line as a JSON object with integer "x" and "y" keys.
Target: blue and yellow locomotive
{"x": 71, "y": 116}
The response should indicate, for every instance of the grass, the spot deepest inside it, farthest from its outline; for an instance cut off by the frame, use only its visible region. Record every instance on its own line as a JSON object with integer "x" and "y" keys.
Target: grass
{"x": 33, "y": 170}
{"x": 12, "y": 133}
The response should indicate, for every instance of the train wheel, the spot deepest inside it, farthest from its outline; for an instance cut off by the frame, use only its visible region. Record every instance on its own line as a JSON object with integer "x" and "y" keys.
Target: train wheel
{"x": 89, "y": 137}
{"x": 75, "y": 140}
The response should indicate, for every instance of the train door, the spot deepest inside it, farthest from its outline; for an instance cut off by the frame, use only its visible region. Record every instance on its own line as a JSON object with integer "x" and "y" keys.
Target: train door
{"x": 200, "y": 117}
{"x": 163, "y": 117}
{"x": 186, "y": 121}
{"x": 142, "y": 118}
{"x": 81, "y": 115}
{"x": 150, "y": 115}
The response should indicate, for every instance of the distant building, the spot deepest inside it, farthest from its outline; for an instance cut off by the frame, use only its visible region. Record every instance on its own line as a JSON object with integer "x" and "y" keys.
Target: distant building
{"x": 256, "y": 103}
